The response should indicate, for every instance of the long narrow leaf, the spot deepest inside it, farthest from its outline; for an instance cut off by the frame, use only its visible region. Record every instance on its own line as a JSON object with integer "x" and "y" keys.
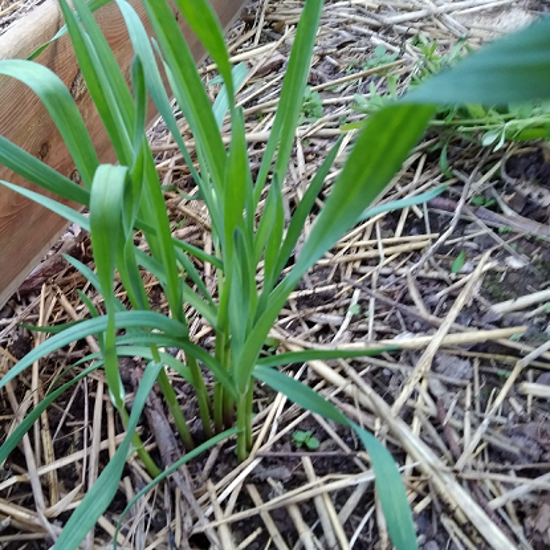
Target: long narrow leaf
{"x": 40, "y": 173}
{"x": 106, "y": 201}
{"x": 142, "y": 47}
{"x": 103, "y": 491}
{"x": 294, "y": 83}
{"x": 63, "y": 110}
{"x": 123, "y": 320}
{"x": 100, "y": 87}
{"x": 304, "y": 207}
{"x": 205, "y": 24}
{"x": 513, "y": 69}
{"x": 391, "y": 491}
{"x": 324, "y": 355}
{"x": 187, "y": 86}
{"x": 221, "y": 104}
{"x": 63, "y": 210}
{"x": 94, "y": 5}
{"x": 402, "y": 203}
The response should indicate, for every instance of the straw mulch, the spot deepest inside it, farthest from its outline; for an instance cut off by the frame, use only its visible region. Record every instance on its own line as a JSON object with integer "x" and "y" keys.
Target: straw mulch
{"x": 463, "y": 407}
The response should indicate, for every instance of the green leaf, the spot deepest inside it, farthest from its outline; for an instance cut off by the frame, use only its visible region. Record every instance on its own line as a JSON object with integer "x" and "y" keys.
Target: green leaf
{"x": 324, "y": 355}
{"x": 146, "y": 353}
{"x": 188, "y": 266}
{"x": 199, "y": 253}
{"x": 59, "y": 208}
{"x": 275, "y": 236}
{"x": 237, "y": 177}
{"x": 205, "y": 24}
{"x": 294, "y": 83}
{"x": 63, "y": 110}
{"x": 458, "y": 263}
{"x": 304, "y": 207}
{"x": 94, "y": 5}
{"x": 106, "y": 201}
{"x": 183, "y": 460}
{"x": 104, "y": 489}
{"x": 391, "y": 491}
{"x": 402, "y": 203}
{"x": 102, "y": 75}
{"x": 40, "y": 174}
{"x": 91, "y": 277}
{"x": 126, "y": 319}
{"x": 221, "y": 104}
{"x": 187, "y": 87}
{"x": 163, "y": 340}
{"x": 513, "y": 69}
{"x": 142, "y": 47}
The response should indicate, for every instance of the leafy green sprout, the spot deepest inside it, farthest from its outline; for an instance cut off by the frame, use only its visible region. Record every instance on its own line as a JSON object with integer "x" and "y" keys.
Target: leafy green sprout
{"x": 489, "y": 126}
{"x": 380, "y": 57}
{"x": 505, "y": 229}
{"x": 312, "y": 108}
{"x": 480, "y": 200}
{"x": 458, "y": 262}
{"x": 305, "y": 439}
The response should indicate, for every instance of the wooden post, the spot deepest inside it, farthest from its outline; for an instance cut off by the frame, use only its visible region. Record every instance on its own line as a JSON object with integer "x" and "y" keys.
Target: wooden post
{"x": 28, "y": 230}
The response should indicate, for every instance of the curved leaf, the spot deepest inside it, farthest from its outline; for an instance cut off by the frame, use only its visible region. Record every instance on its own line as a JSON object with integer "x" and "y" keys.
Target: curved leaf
{"x": 126, "y": 319}
{"x": 512, "y": 69}
{"x": 63, "y": 110}
{"x": 391, "y": 491}
{"x": 104, "y": 489}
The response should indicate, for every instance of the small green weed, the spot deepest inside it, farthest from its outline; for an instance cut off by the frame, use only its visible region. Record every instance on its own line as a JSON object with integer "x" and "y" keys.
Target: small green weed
{"x": 305, "y": 439}
{"x": 489, "y": 126}
{"x": 312, "y": 107}
{"x": 380, "y": 57}
{"x": 480, "y": 200}
{"x": 458, "y": 262}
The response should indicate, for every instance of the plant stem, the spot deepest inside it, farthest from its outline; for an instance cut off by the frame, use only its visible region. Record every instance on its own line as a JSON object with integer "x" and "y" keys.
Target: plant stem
{"x": 242, "y": 448}
{"x": 248, "y": 427}
{"x": 202, "y": 394}
{"x": 175, "y": 409}
{"x": 228, "y": 410}
{"x": 220, "y": 395}
{"x": 244, "y": 422}
{"x": 145, "y": 457}
{"x": 218, "y": 407}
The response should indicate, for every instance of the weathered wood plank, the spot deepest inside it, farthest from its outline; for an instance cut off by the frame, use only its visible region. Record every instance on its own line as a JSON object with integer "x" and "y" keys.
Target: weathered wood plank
{"x": 27, "y": 230}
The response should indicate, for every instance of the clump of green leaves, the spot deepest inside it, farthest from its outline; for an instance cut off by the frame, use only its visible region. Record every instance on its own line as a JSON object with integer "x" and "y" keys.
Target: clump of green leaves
{"x": 248, "y": 239}
{"x": 379, "y": 57}
{"x": 490, "y": 126}
{"x": 312, "y": 108}
{"x": 432, "y": 61}
{"x": 305, "y": 438}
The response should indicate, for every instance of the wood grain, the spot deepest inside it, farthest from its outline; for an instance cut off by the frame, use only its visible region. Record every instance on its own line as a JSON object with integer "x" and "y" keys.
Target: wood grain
{"x": 27, "y": 230}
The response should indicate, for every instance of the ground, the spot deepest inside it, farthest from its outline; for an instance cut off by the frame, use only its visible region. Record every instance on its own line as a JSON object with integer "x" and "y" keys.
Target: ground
{"x": 460, "y": 283}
